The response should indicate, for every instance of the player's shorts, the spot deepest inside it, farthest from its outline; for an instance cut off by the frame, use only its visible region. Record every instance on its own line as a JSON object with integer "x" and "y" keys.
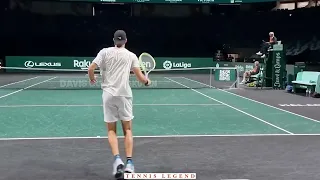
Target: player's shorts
{"x": 116, "y": 108}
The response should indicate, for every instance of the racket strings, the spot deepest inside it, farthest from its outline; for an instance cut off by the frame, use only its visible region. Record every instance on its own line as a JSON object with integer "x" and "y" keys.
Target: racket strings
{"x": 148, "y": 62}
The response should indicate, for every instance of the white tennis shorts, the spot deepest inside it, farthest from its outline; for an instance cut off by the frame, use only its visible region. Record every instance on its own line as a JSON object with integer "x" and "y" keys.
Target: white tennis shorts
{"x": 116, "y": 108}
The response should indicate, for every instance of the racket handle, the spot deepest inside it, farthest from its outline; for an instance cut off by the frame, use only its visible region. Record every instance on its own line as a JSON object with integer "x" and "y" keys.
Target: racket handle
{"x": 147, "y": 83}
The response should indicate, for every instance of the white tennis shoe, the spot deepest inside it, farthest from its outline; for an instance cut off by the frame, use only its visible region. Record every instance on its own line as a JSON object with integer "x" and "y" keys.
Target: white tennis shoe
{"x": 118, "y": 166}
{"x": 129, "y": 168}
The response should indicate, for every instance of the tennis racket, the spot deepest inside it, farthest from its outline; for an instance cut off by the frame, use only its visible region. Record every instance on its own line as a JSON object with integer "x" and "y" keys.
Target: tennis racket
{"x": 147, "y": 63}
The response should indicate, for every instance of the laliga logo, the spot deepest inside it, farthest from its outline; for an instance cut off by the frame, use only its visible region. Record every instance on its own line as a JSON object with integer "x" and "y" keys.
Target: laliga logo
{"x": 29, "y": 64}
{"x": 167, "y": 64}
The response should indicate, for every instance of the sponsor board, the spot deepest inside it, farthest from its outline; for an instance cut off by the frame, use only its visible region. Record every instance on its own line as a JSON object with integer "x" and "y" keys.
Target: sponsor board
{"x": 170, "y": 65}
{"x": 277, "y": 71}
{"x": 55, "y": 62}
{"x": 82, "y": 64}
{"x": 147, "y": 65}
{"x": 32, "y": 64}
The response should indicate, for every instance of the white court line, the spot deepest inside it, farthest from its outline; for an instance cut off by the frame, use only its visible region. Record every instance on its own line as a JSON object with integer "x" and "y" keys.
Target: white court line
{"x": 232, "y": 107}
{"x": 163, "y": 136}
{"x": 318, "y": 121}
{"x": 14, "y": 92}
{"x": 18, "y": 82}
{"x": 97, "y": 105}
{"x": 197, "y": 82}
{"x": 260, "y": 102}
{"x": 234, "y": 179}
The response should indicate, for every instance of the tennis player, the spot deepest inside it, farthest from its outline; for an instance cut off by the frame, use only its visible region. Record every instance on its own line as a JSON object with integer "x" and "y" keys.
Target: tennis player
{"x": 115, "y": 64}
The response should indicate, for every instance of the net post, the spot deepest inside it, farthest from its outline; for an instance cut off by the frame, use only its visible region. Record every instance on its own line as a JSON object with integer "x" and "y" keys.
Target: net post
{"x": 210, "y": 83}
{"x": 238, "y": 78}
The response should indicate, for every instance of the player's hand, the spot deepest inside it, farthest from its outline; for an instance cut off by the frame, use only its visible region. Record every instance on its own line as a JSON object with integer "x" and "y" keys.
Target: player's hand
{"x": 148, "y": 82}
{"x": 93, "y": 81}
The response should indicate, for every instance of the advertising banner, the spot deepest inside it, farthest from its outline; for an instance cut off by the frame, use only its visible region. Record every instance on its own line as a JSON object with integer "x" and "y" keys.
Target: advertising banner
{"x": 278, "y": 69}
{"x": 241, "y": 66}
{"x": 225, "y": 75}
{"x": 48, "y": 62}
{"x": 176, "y": 1}
{"x": 182, "y": 62}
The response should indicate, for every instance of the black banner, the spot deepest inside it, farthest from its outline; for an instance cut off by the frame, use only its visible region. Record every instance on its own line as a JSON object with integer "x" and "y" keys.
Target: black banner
{"x": 175, "y": 1}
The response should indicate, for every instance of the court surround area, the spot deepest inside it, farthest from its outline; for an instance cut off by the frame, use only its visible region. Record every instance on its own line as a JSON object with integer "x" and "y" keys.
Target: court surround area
{"x": 216, "y": 133}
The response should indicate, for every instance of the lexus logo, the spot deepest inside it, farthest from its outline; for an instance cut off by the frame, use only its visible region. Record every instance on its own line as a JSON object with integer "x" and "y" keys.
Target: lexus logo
{"x": 29, "y": 64}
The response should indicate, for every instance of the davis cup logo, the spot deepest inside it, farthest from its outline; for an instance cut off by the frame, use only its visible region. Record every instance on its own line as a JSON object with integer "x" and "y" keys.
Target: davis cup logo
{"x": 167, "y": 64}
{"x": 29, "y": 64}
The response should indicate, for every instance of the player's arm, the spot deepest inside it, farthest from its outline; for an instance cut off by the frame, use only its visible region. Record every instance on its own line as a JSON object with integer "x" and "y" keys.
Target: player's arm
{"x": 91, "y": 69}
{"x": 135, "y": 67}
{"x": 94, "y": 65}
{"x": 140, "y": 76}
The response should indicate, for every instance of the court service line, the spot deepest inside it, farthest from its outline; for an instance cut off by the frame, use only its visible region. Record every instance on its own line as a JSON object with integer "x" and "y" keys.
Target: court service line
{"x": 98, "y": 105}
{"x": 161, "y": 136}
{"x": 14, "y": 92}
{"x": 232, "y": 107}
{"x": 318, "y": 121}
{"x": 18, "y": 82}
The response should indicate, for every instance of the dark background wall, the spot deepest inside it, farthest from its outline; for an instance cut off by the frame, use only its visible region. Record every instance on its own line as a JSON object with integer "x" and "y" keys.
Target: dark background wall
{"x": 82, "y": 29}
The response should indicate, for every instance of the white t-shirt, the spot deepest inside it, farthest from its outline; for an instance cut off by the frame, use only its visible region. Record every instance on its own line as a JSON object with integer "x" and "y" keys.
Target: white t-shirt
{"x": 115, "y": 65}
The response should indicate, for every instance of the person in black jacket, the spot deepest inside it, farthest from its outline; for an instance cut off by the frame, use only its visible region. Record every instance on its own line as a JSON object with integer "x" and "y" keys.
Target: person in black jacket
{"x": 266, "y": 45}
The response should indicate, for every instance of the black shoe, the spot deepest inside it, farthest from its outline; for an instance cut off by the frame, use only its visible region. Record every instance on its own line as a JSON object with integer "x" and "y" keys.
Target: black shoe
{"x": 120, "y": 172}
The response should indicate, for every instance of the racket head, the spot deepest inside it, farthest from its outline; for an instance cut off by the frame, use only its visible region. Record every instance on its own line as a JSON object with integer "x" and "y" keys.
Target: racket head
{"x": 147, "y": 63}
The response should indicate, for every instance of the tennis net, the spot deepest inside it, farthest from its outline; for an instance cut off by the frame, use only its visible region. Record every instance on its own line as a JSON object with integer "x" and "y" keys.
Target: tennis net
{"x": 69, "y": 79}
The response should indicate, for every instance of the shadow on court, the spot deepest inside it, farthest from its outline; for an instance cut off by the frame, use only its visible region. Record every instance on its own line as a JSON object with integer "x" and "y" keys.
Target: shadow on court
{"x": 212, "y": 158}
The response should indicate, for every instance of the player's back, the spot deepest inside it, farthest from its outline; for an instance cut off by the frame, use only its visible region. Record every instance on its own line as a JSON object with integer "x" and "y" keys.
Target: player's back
{"x": 116, "y": 66}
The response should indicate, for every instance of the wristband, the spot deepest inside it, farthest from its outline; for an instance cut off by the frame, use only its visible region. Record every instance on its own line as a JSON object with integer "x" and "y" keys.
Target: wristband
{"x": 147, "y": 83}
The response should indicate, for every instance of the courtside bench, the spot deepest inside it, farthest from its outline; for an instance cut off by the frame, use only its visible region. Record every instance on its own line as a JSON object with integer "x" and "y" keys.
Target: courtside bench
{"x": 306, "y": 80}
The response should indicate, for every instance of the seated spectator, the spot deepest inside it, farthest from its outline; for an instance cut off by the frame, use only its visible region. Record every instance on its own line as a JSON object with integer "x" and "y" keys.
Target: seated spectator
{"x": 254, "y": 71}
{"x": 266, "y": 45}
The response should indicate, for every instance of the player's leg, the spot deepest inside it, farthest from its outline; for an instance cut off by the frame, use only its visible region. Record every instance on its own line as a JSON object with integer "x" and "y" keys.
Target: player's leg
{"x": 248, "y": 76}
{"x": 245, "y": 74}
{"x": 262, "y": 49}
{"x": 111, "y": 118}
{"x": 126, "y": 115}
{"x": 128, "y": 142}
{"x": 118, "y": 164}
